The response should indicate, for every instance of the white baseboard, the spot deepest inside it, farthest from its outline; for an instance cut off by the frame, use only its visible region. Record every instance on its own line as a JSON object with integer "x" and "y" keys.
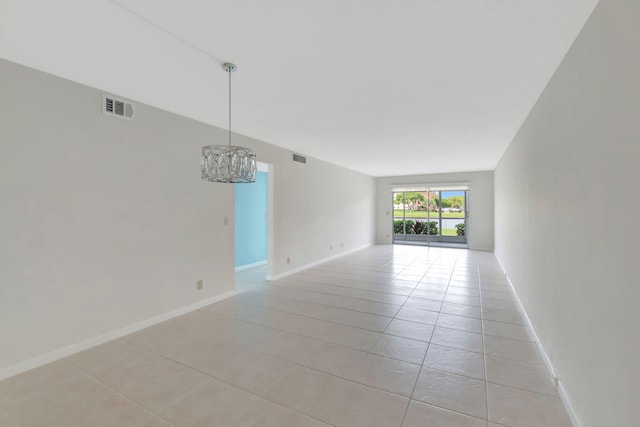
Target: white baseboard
{"x": 272, "y": 278}
{"x": 482, "y": 250}
{"x": 252, "y": 265}
{"x": 109, "y": 336}
{"x": 567, "y": 404}
{"x": 562, "y": 392}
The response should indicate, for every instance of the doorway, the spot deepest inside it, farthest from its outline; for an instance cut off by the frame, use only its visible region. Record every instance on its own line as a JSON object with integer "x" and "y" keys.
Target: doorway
{"x": 430, "y": 216}
{"x": 252, "y": 229}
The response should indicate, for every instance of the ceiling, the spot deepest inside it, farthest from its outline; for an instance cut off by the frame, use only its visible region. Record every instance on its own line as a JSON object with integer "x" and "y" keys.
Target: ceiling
{"x": 382, "y": 87}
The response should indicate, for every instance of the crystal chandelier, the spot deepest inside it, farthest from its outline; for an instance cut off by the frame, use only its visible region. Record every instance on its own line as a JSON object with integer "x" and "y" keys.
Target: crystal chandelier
{"x": 228, "y": 163}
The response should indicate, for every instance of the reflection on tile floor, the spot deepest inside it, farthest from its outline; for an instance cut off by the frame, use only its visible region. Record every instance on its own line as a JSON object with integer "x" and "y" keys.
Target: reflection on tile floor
{"x": 387, "y": 336}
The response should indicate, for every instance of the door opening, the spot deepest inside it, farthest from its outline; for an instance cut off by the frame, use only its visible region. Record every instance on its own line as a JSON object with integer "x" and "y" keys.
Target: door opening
{"x": 430, "y": 216}
{"x": 252, "y": 230}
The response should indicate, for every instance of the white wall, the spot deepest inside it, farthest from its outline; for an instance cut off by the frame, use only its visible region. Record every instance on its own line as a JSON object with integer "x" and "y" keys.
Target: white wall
{"x": 320, "y": 209}
{"x": 105, "y": 222}
{"x": 480, "y": 203}
{"x": 566, "y": 217}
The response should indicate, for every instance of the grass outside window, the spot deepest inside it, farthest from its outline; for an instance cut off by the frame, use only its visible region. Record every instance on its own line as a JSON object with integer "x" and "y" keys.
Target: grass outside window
{"x": 423, "y": 214}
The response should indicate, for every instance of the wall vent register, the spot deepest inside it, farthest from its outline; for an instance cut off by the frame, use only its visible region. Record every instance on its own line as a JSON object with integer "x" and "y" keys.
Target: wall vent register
{"x": 299, "y": 158}
{"x": 117, "y": 107}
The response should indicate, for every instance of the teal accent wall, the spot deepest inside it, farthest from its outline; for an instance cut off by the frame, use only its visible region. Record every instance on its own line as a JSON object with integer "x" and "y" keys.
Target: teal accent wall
{"x": 251, "y": 221}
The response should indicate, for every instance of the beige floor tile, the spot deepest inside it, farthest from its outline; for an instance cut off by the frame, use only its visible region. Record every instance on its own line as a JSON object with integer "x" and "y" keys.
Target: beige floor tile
{"x": 507, "y": 330}
{"x": 423, "y": 415}
{"x": 338, "y": 401}
{"x": 348, "y": 336}
{"x": 501, "y": 315}
{"x": 407, "y": 284}
{"x": 308, "y": 348}
{"x": 382, "y": 309}
{"x": 409, "y": 276}
{"x": 343, "y": 335}
{"x": 428, "y": 294}
{"x": 459, "y": 288}
{"x": 461, "y": 340}
{"x": 501, "y": 304}
{"x": 423, "y": 304}
{"x": 399, "y": 348}
{"x": 412, "y": 330}
{"x": 224, "y": 308}
{"x": 47, "y": 399}
{"x": 462, "y": 299}
{"x": 457, "y": 393}
{"x": 155, "y": 422}
{"x": 207, "y": 325}
{"x": 461, "y": 310}
{"x": 492, "y": 290}
{"x": 316, "y": 354}
{"x": 512, "y": 349}
{"x": 319, "y": 311}
{"x": 237, "y": 365}
{"x": 23, "y": 386}
{"x": 159, "y": 389}
{"x": 498, "y": 292}
{"x": 353, "y": 318}
{"x": 436, "y": 280}
{"x": 464, "y": 282}
{"x": 404, "y": 290}
{"x": 116, "y": 374}
{"x": 354, "y": 293}
{"x": 168, "y": 342}
{"x": 521, "y": 375}
{"x": 114, "y": 411}
{"x": 417, "y": 315}
{"x": 461, "y": 323}
{"x": 251, "y": 335}
{"x": 7, "y": 420}
{"x": 113, "y": 351}
{"x": 387, "y": 374}
{"x": 219, "y": 404}
{"x": 518, "y": 408}
{"x": 455, "y": 361}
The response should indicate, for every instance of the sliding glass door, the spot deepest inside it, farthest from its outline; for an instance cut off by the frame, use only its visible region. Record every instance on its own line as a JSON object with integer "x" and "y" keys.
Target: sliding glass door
{"x": 430, "y": 216}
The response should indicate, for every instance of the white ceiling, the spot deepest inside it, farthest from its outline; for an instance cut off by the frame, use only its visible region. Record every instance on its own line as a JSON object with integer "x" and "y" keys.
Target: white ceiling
{"x": 383, "y": 87}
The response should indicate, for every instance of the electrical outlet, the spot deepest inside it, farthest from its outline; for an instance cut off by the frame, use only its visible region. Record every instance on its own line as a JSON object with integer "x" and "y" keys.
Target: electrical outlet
{"x": 288, "y": 260}
{"x": 330, "y": 247}
{"x": 226, "y": 220}
{"x": 200, "y": 285}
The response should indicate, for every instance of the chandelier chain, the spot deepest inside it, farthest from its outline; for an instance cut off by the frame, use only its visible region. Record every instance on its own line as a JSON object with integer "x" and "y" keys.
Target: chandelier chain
{"x": 229, "y": 71}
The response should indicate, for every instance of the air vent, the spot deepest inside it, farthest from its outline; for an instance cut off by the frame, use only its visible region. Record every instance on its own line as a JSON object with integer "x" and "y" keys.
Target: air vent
{"x": 117, "y": 107}
{"x": 299, "y": 158}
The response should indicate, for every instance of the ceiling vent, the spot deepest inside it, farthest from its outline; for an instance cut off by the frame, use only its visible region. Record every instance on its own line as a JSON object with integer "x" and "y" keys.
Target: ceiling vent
{"x": 299, "y": 158}
{"x": 117, "y": 107}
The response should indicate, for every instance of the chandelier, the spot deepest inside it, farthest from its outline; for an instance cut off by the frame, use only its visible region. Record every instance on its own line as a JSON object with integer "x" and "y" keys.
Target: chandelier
{"x": 228, "y": 163}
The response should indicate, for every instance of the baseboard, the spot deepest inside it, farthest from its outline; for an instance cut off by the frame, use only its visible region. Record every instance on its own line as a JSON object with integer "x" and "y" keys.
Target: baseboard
{"x": 482, "y": 250}
{"x": 562, "y": 392}
{"x": 272, "y": 278}
{"x": 109, "y": 336}
{"x": 567, "y": 404}
{"x": 252, "y": 265}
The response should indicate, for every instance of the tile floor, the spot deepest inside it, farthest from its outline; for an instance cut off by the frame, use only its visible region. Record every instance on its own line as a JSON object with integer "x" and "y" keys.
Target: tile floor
{"x": 388, "y": 336}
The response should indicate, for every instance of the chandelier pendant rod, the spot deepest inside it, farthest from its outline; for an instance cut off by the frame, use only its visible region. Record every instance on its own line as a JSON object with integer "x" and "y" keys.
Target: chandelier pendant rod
{"x": 229, "y": 71}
